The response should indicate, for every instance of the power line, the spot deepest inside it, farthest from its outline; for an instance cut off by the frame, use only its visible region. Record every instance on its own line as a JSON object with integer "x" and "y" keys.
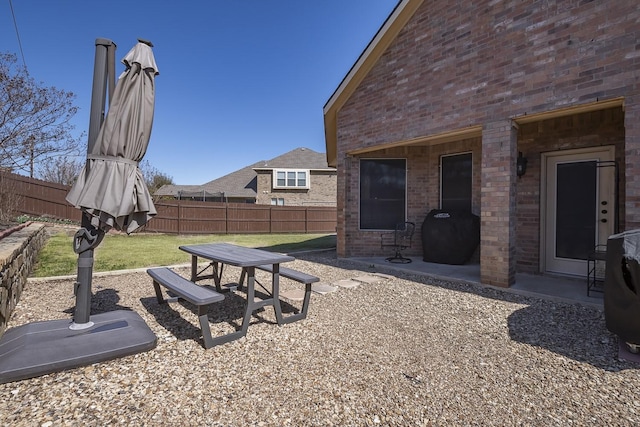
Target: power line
{"x": 15, "y": 24}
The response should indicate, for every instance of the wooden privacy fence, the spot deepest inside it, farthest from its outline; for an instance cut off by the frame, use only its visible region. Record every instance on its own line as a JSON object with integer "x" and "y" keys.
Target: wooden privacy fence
{"x": 40, "y": 198}
{"x": 187, "y": 217}
{"x": 37, "y": 198}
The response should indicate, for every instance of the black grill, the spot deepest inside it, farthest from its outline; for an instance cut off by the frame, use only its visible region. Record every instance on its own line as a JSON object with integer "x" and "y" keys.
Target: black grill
{"x": 450, "y": 236}
{"x": 622, "y": 286}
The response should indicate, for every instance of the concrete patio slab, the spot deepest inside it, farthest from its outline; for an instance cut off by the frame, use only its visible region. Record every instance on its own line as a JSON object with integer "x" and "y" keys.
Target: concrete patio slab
{"x": 370, "y": 279}
{"x": 323, "y": 288}
{"x": 569, "y": 289}
{"x": 347, "y": 283}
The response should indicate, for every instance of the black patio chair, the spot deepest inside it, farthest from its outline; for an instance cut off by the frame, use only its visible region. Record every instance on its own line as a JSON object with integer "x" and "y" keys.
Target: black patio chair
{"x": 400, "y": 239}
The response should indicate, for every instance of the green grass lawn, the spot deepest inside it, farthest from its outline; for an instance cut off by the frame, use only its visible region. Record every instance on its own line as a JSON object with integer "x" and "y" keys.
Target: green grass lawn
{"x": 119, "y": 251}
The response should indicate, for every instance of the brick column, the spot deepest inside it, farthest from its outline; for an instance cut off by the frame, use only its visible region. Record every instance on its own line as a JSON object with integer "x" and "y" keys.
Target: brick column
{"x": 343, "y": 178}
{"x": 632, "y": 162}
{"x": 498, "y": 203}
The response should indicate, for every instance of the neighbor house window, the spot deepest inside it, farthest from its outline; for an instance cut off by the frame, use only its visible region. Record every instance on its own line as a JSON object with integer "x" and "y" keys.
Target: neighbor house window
{"x": 383, "y": 188}
{"x": 290, "y": 178}
{"x": 456, "y": 181}
{"x": 277, "y": 201}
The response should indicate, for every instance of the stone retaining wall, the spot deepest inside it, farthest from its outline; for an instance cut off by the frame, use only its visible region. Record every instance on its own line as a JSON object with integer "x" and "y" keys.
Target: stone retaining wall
{"x": 18, "y": 253}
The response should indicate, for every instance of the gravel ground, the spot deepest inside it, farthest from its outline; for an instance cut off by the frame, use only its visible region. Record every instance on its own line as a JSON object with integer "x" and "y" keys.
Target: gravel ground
{"x": 405, "y": 351}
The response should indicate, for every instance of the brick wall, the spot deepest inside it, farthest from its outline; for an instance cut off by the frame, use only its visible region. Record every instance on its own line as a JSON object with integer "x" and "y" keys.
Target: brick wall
{"x": 632, "y": 163}
{"x": 602, "y": 128}
{"x": 321, "y": 192}
{"x": 423, "y": 192}
{"x": 459, "y": 64}
{"x": 599, "y": 128}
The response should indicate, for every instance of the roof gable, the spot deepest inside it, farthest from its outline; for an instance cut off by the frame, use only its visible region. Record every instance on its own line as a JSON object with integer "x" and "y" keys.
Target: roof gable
{"x": 244, "y": 182}
{"x": 300, "y": 158}
{"x": 372, "y": 53}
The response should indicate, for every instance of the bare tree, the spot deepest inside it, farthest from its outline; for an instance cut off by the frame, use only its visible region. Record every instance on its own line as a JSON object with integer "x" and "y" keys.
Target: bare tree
{"x": 153, "y": 177}
{"x": 34, "y": 119}
{"x": 61, "y": 170}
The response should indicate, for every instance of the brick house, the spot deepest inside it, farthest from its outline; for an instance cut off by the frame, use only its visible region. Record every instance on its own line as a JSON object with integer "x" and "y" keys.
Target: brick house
{"x": 300, "y": 177}
{"x": 447, "y": 96}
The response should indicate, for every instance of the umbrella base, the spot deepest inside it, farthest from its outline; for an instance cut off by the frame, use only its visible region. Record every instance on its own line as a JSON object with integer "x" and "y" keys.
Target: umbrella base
{"x": 41, "y": 348}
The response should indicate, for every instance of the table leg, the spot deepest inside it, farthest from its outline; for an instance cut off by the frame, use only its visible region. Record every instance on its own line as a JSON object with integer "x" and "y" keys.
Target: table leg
{"x": 275, "y": 280}
{"x": 194, "y": 268}
{"x": 252, "y": 305}
{"x": 217, "y": 275}
{"x": 243, "y": 274}
{"x": 251, "y": 296}
{"x": 305, "y": 307}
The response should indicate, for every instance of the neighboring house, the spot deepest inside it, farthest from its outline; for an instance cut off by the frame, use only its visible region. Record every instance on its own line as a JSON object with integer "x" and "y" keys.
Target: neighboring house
{"x": 437, "y": 109}
{"x": 300, "y": 177}
{"x": 236, "y": 187}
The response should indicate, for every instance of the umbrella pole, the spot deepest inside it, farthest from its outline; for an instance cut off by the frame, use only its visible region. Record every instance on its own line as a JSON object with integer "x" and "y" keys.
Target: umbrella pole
{"x": 88, "y": 237}
{"x": 83, "y": 291}
{"x": 85, "y": 240}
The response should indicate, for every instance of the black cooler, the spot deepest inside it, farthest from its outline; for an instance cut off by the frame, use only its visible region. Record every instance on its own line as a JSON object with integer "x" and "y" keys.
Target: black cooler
{"x": 450, "y": 236}
{"x": 622, "y": 286}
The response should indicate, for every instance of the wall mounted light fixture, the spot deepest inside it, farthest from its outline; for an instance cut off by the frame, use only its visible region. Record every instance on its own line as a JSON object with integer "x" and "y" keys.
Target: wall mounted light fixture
{"x": 521, "y": 165}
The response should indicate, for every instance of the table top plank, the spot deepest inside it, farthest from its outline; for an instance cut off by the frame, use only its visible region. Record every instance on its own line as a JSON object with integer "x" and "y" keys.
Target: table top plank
{"x": 239, "y": 256}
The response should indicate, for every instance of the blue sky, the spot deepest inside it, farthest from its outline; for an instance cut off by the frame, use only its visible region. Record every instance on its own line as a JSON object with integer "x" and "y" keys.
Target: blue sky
{"x": 240, "y": 81}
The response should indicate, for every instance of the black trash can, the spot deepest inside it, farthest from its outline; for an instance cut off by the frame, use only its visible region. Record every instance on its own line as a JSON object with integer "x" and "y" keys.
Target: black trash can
{"x": 450, "y": 236}
{"x": 622, "y": 286}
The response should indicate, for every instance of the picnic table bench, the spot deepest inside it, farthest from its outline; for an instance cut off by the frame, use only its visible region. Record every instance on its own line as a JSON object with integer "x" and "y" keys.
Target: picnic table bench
{"x": 200, "y": 296}
{"x": 298, "y": 276}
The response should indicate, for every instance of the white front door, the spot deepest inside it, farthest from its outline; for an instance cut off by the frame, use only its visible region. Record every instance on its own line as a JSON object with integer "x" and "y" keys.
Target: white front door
{"x": 580, "y": 207}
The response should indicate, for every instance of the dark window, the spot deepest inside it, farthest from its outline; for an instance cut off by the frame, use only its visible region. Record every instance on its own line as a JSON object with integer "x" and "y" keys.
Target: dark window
{"x": 382, "y": 193}
{"x": 456, "y": 182}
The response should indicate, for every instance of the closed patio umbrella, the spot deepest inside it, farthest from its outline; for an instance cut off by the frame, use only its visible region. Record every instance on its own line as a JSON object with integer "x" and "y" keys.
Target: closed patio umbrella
{"x": 111, "y": 188}
{"x": 112, "y": 194}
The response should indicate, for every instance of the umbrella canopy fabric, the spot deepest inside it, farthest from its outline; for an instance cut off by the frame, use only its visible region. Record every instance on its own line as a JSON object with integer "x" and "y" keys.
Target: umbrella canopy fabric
{"x": 111, "y": 188}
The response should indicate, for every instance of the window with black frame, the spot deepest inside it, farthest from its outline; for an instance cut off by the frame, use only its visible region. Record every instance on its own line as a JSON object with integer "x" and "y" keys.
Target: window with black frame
{"x": 383, "y": 189}
{"x": 456, "y": 182}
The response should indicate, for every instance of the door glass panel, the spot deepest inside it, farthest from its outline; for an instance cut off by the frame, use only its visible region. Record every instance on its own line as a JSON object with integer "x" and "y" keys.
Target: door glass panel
{"x": 576, "y": 209}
